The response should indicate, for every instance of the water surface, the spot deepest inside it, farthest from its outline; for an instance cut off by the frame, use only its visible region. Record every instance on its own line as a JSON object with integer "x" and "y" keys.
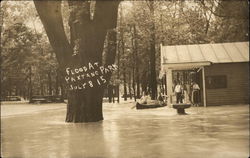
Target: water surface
{"x": 213, "y": 132}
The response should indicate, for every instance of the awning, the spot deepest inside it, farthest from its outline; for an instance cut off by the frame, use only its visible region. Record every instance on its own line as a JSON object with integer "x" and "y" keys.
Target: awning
{"x": 213, "y": 52}
{"x": 185, "y": 66}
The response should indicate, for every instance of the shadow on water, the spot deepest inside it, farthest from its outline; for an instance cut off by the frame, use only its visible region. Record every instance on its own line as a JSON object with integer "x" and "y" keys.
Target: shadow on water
{"x": 204, "y": 132}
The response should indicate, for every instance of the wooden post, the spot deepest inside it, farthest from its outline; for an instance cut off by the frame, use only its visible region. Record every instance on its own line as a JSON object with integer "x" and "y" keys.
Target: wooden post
{"x": 161, "y": 57}
{"x": 204, "y": 87}
{"x": 169, "y": 85}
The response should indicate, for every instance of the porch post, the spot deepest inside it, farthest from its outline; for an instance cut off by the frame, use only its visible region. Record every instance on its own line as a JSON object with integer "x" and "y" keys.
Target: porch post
{"x": 169, "y": 85}
{"x": 204, "y": 87}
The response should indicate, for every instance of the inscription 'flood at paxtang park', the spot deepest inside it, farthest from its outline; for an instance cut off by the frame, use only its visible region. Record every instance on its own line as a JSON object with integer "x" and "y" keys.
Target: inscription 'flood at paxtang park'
{"x": 88, "y": 76}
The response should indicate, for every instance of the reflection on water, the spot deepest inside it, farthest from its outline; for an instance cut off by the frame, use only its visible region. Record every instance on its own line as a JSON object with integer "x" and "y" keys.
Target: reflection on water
{"x": 211, "y": 132}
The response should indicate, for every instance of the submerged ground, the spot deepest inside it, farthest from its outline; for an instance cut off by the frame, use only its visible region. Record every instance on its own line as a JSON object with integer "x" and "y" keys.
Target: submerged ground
{"x": 39, "y": 131}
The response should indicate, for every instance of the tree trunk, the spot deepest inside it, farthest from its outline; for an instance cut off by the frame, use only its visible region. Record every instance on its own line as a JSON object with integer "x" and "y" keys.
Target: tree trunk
{"x": 49, "y": 83}
{"x": 30, "y": 83}
{"x": 41, "y": 85}
{"x": 122, "y": 53}
{"x": 153, "y": 83}
{"x": 124, "y": 86}
{"x": 129, "y": 86}
{"x": 110, "y": 93}
{"x": 87, "y": 38}
{"x": 84, "y": 106}
{"x": 57, "y": 84}
{"x": 62, "y": 91}
{"x": 133, "y": 83}
{"x": 144, "y": 81}
{"x": 124, "y": 69}
{"x": 136, "y": 64}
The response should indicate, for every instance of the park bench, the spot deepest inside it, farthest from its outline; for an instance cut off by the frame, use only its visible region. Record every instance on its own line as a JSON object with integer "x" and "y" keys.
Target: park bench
{"x": 46, "y": 99}
{"x": 54, "y": 99}
{"x": 38, "y": 99}
{"x": 11, "y": 98}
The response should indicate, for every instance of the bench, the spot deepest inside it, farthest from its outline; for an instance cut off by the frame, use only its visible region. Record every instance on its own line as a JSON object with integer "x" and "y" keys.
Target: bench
{"x": 11, "y": 98}
{"x": 38, "y": 99}
{"x": 46, "y": 99}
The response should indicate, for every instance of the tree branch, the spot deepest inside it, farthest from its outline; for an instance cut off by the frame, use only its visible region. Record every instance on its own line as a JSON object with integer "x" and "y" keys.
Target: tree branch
{"x": 106, "y": 13}
{"x": 109, "y": 59}
{"x": 202, "y": 2}
{"x": 80, "y": 27}
{"x": 51, "y": 17}
{"x": 111, "y": 47}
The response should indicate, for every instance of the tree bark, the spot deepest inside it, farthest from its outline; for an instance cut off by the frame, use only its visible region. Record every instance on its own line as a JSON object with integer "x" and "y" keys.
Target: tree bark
{"x": 57, "y": 84}
{"x": 135, "y": 46}
{"x": 153, "y": 83}
{"x": 41, "y": 85}
{"x": 133, "y": 84}
{"x": 129, "y": 86}
{"x": 30, "y": 83}
{"x": 86, "y": 44}
{"x": 124, "y": 85}
{"x": 49, "y": 83}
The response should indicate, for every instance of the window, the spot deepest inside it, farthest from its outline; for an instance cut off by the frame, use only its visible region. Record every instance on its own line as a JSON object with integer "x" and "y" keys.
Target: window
{"x": 216, "y": 82}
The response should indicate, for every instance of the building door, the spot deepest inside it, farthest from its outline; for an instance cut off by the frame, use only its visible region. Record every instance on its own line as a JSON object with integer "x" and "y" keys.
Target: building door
{"x": 186, "y": 77}
{"x": 197, "y": 77}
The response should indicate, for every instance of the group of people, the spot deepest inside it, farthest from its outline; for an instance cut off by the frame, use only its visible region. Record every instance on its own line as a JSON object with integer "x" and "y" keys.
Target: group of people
{"x": 191, "y": 92}
{"x": 146, "y": 99}
{"x": 187, "y": 92}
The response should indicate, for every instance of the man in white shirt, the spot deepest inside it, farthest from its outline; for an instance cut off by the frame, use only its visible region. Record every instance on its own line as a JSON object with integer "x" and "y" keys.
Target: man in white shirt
{"x": 178, "y": 92}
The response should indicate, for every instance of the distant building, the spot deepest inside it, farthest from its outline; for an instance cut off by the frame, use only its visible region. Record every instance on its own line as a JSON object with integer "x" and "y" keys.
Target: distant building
{"x": 221, "y": 70}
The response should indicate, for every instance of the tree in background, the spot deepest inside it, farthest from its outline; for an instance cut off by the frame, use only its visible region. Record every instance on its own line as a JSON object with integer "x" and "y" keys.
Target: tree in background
{"x": 17, "y": 56}
{"x": 179, "y": 23}
{"x": 26, "y": 55}
{"x": 231, "y": 20}
{"x": 153, "y": 82}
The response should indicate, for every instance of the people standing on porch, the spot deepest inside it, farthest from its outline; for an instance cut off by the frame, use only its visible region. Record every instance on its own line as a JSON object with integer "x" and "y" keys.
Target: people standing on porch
{"x": 178, "y": 92}
{"x": 195, "y": 94}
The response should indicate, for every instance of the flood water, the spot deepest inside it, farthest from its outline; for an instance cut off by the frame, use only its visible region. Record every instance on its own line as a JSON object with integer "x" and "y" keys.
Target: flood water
{"x": 212, "y": 132}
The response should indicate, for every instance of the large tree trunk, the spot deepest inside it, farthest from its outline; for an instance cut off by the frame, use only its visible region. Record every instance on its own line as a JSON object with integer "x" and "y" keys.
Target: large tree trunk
{"x": 85, "y": 106}
{"x": 87, "y": 38}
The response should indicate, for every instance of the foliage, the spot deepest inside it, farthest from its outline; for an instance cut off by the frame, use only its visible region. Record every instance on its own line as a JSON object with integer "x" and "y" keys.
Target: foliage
{"x": 24, "y": 43}
{"x": 23, "y": 49}
{"x": 181, "y": 22}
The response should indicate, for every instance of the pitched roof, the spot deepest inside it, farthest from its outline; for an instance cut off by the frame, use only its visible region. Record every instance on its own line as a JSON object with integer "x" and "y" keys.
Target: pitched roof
{"x": 215, "y": 53}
